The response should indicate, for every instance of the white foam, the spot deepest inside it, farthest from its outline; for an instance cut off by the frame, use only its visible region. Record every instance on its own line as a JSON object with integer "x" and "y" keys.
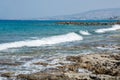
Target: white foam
{"x": 113, "y": 28}
{"x": 33, "y": 37}
{"x": 83, "y": 71}
{"x": 44, "y": 41}
{"x": 85, "y": 33}
{"x": 105, "y": 48}
{"x": 3, "y": 78}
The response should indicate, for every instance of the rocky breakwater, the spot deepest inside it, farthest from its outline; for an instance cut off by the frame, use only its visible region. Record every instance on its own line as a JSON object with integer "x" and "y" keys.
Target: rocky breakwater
{"x": 88, "y": 23}
{"x": 82, "y": 67}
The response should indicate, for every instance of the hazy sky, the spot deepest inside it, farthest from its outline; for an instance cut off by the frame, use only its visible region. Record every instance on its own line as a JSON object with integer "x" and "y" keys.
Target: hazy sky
{"x": 27, "y": 9}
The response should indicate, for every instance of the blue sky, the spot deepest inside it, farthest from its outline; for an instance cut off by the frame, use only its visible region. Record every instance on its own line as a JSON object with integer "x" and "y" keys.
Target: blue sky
{"x": 27, "y": 9}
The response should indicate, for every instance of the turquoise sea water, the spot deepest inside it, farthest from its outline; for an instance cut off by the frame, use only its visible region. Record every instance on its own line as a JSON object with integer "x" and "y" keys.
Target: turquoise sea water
{"x": 14, "y": 31}
{"x": 24, "y": 30}
{"x": 27, "y": 42}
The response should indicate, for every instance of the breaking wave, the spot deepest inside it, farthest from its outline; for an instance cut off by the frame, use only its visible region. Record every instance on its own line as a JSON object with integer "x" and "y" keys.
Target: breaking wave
{"x": 113, "y": 28}
{"x": 44, "y": 41}
{"x": 85, "y": 33}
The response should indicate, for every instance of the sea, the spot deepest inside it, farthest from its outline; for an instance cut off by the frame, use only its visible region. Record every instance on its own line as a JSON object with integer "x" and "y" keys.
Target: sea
{"x": 25, "y": 42}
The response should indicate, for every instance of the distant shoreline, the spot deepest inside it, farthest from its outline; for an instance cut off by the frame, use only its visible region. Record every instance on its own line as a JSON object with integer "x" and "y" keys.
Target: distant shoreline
{"x": 89, "y": 23}
{"x": 60, "y": 20}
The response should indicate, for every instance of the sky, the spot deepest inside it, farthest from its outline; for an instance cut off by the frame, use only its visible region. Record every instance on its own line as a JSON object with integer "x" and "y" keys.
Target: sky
{"x": 32, "y": 9}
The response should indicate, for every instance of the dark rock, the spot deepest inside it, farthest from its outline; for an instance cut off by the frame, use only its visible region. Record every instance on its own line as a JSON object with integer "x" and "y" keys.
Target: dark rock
{"x": 41, "y": 63}
{"x": 118, "y": 48}
{"x": 94, "y": 77}
{"x": 108, "y": 64}
{"x": 43, "y": 76}
{"x": 8, "y": 74}
{"x": 116, "y": 57}
{"x": 11, "y": 64}
{"x": 88, "y": 23}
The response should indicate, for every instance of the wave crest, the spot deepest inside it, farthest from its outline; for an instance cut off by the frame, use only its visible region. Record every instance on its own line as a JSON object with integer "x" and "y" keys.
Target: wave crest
{"x": 44, "y": 41}
{"x": 113, "y": 28}
{"x": 85, "y": 33}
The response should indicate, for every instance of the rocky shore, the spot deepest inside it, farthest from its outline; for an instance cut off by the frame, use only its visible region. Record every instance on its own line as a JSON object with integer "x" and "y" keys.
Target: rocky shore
{"x": 89, "y": 23}
{"x": 82, "y": 67}
{"x": 103, "y": 63}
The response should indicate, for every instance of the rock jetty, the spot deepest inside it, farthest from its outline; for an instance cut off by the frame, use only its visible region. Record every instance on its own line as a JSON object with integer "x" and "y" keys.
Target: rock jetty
{"x": 88, "y": 23}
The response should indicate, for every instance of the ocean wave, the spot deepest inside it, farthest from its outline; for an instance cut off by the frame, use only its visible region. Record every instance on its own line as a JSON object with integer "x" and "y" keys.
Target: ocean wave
{"x": 33, "y": 37}
{"x": 44, "y": 41}
{"x": 85, "y": 33}
{"x": 113, "y": 28}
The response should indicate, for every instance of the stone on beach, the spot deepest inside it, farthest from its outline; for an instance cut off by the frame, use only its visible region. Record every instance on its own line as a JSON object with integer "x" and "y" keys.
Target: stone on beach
{"x": 93, "y": 66}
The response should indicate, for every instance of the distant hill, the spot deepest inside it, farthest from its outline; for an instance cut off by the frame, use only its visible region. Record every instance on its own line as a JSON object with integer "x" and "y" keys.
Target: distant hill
{"x": 102, "y": 14}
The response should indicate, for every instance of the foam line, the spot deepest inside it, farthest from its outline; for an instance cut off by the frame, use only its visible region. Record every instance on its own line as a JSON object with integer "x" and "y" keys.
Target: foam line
{"x": 113, "y": 28}
{"x": 44, "y": 41}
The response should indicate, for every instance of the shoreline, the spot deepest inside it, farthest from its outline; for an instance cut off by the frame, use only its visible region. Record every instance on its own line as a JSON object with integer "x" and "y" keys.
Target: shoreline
{"x": 83, "y": 67}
